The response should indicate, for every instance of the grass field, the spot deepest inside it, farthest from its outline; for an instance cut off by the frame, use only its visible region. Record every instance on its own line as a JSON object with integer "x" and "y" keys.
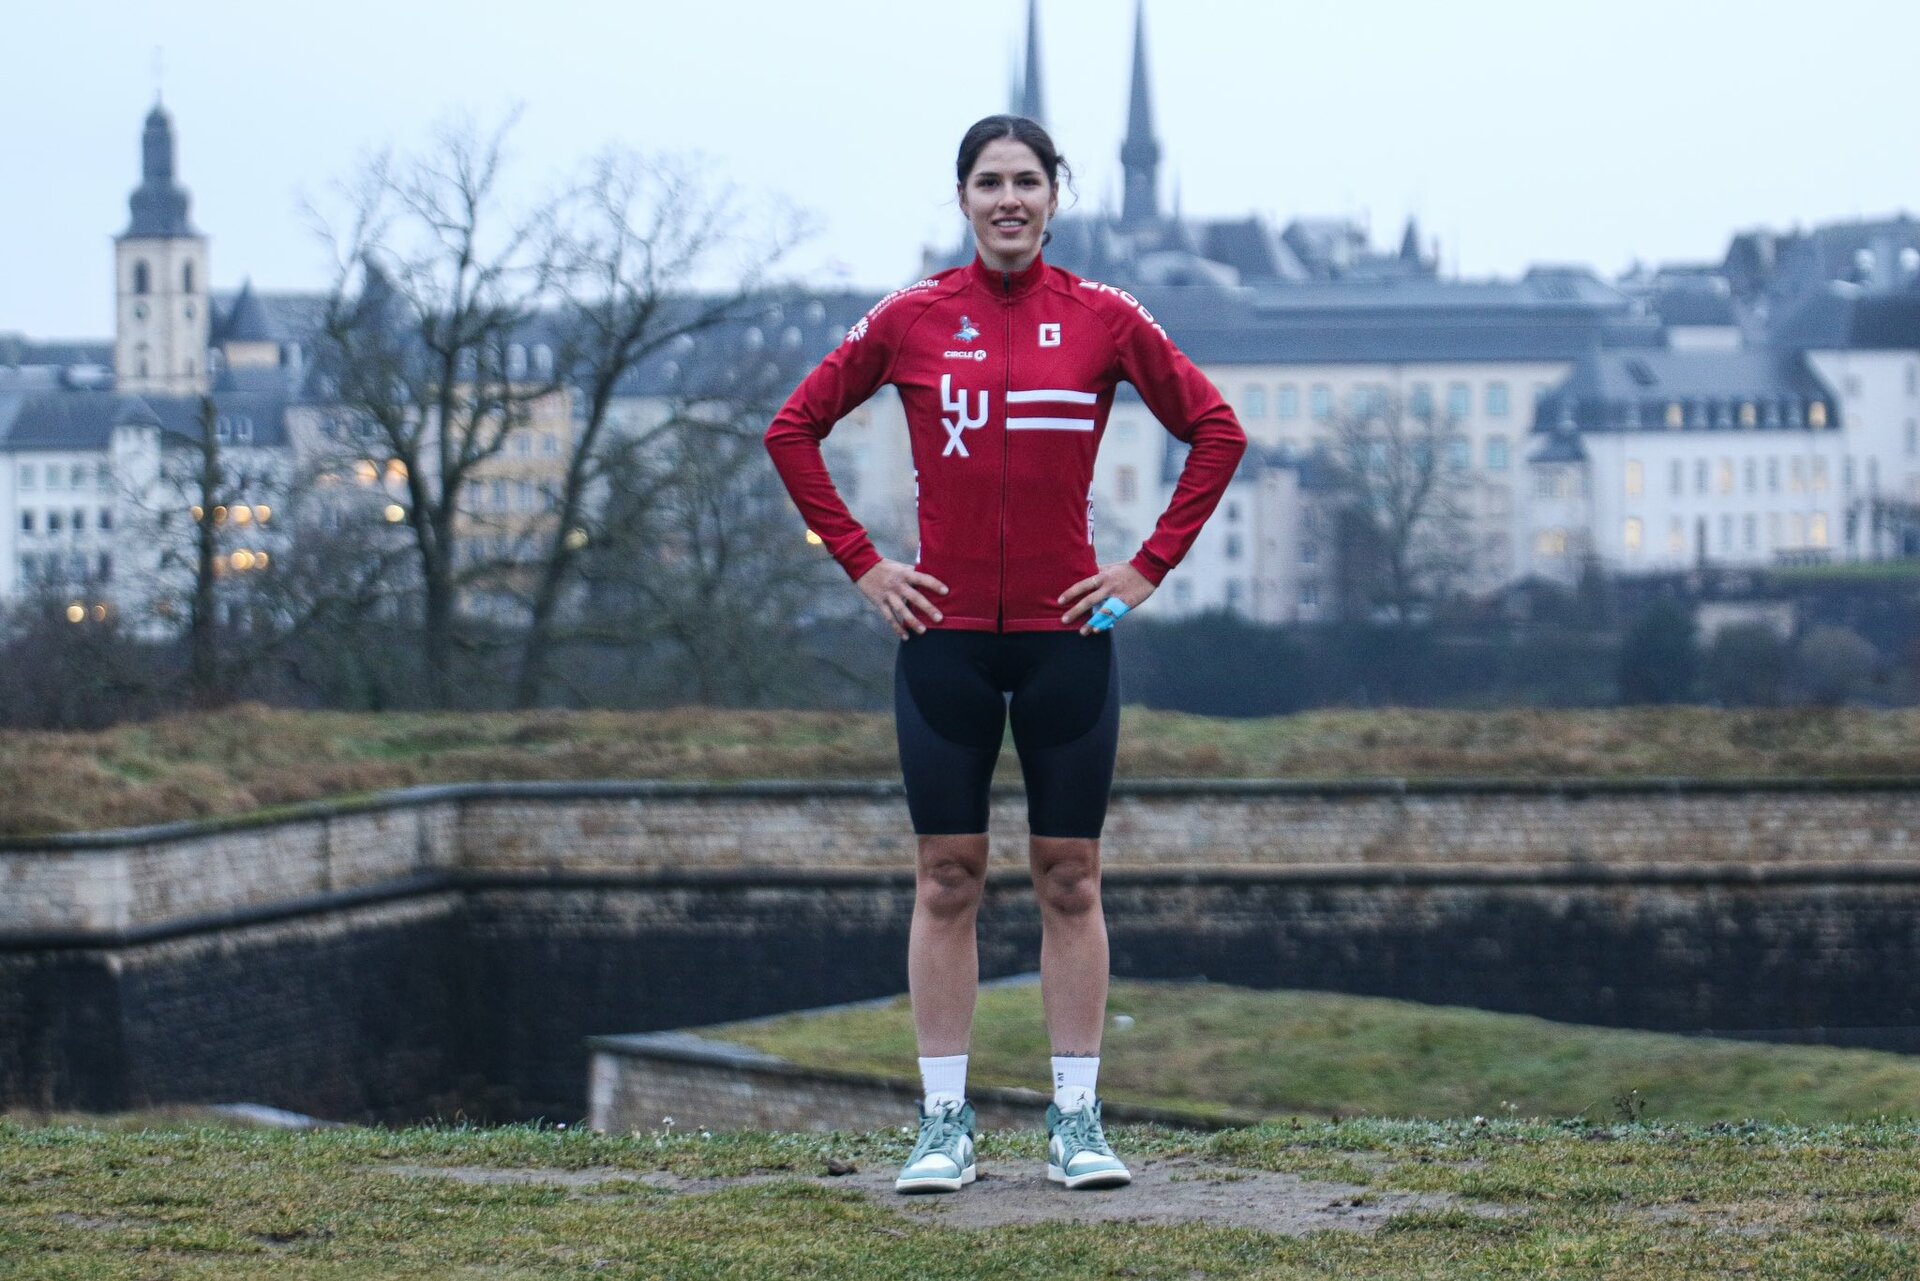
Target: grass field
{"x": 1503, "y": 1199}
{"x": 247, "y": 759}
{"x": 1210, "y": 1049}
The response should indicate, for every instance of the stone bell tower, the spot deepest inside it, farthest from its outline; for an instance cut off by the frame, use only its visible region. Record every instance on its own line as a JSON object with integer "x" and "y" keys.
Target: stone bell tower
{"x": 163, "y": 312}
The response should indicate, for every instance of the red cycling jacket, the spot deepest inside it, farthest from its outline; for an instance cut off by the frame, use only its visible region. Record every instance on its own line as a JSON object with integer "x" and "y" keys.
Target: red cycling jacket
{"x": 1006, "y": 379}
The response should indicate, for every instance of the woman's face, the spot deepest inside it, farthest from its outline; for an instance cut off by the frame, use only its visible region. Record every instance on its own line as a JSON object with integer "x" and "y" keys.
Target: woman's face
{"x": 1008, "y": 200}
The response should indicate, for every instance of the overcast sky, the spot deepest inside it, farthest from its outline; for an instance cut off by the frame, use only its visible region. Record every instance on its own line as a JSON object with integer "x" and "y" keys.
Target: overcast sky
{"x": 1518, "y": 131}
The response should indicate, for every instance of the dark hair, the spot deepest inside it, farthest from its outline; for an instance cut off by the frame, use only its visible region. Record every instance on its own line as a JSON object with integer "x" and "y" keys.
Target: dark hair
{"x": 1020, "y": 129}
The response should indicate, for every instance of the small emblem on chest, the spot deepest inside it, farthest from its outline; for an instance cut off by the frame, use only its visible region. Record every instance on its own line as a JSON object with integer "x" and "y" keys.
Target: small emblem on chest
{"x": 967, "y": 333}
{"x": 1049, "y": 335}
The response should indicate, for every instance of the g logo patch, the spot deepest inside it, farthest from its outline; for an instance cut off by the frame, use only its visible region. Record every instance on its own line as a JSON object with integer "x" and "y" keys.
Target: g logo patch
{"x": 1049, "y": 335}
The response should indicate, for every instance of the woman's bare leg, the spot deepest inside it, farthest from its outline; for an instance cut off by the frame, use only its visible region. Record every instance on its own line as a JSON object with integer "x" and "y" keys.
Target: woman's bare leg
{"x": 943, "y": 950}
{"x": 1073, "y": 942}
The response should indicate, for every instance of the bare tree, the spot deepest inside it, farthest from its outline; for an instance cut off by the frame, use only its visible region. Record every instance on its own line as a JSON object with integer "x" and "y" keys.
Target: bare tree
{"x": 634, "y": 241}
{"x": 422, "y": 345}
{"x": 1402, "y": 485}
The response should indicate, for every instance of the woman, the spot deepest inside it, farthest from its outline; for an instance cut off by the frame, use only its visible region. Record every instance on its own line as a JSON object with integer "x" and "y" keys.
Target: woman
{"x": 1006, "y": 370}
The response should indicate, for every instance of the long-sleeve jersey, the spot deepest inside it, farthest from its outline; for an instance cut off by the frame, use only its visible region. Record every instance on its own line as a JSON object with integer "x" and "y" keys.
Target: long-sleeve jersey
{"x": 1006, "y": 379}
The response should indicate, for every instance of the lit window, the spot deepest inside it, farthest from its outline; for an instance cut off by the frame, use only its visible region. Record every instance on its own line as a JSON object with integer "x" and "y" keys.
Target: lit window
{"x": 1635, "y": 483}
{"x": 1496, "y": 400}
{"x": 1676, "y": 416}
{"x": 1551, "y": 542}
{"x": 1749, "y": 414}
{"x": 1632, "y": 534}
{"x": 1496, "y": 453}
{"x": 1817, "y": 414}
{"x": 1289, "y": 405}
{"x": 1817, "y": 534}
{"x": 1726, "y": 475}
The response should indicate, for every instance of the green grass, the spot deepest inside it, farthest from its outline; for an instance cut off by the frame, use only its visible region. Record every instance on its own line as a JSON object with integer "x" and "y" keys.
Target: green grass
{"x": 82, "y": 1203}
{"x": 249, "y": 759}
{"x": 1210, "y": 1049}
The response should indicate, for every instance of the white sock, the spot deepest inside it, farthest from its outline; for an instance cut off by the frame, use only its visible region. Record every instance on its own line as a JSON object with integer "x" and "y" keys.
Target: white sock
{"x": 1074, "y": 1078}
{"x": 943, "y": 1080}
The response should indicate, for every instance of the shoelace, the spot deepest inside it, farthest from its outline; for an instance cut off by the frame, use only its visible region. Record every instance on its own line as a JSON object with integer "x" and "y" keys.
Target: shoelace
{"x": 1080, "y": 1131}
{"x": 937, "y": 1130}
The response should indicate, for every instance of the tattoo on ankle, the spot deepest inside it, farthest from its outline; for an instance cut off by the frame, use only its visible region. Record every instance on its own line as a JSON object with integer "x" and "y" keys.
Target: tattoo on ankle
{"x": 1076, "y": 1054}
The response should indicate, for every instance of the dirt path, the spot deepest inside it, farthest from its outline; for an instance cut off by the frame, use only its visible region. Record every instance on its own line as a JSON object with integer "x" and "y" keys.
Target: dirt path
{"x": 1176, "y": 1190}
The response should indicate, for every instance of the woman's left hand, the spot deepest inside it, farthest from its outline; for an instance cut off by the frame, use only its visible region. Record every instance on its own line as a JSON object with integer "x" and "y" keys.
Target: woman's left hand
{"x": 1120, "y": 579}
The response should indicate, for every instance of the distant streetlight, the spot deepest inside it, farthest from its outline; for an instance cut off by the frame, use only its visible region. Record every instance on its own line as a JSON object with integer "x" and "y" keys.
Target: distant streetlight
{"x": 76, "y": 613}
{"x": 395, "y": 513}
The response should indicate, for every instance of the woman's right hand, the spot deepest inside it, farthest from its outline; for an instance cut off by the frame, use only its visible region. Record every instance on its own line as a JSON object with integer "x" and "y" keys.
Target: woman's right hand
{"x": 896, "y": 590}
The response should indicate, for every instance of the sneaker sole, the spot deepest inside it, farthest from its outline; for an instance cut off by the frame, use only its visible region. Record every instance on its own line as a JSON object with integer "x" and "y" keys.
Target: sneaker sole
{"x": 1093, "y": 1179}
{"x": 933, "y": 1184}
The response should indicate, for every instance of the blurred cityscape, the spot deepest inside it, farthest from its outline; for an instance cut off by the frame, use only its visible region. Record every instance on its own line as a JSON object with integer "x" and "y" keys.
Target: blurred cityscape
{"x": 520, "y": 464}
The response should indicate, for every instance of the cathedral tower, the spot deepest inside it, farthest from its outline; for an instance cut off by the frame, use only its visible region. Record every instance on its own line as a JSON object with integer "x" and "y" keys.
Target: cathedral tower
{"x": 163, "y": 312}
{"x": 1140, "y": 153}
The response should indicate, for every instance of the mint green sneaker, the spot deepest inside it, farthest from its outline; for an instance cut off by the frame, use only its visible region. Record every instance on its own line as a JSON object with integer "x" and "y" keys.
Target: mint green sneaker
{"x": 942, "y": 1161}
{"x": 1077, "y": 1151}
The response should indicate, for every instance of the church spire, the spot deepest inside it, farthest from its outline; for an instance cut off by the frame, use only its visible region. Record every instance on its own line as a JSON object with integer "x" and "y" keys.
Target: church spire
{"x": 1140, "y": 153}
{"x": 1031, "y": 105}
{"x": 159, "y": 204}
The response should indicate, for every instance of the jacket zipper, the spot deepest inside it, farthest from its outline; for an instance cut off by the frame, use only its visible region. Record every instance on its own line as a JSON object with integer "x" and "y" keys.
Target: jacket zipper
{"x": 1006, "y": 443}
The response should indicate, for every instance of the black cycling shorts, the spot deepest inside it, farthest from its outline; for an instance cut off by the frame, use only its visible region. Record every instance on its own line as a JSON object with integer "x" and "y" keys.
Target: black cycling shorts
{"x": 953, "y": 692}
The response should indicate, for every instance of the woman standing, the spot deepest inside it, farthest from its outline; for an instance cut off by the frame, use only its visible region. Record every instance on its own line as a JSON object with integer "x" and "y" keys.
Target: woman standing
{"x": 1006, "y": 371}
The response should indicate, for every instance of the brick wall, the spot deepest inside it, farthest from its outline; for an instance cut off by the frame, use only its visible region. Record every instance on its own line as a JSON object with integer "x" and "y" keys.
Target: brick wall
{"x": 451, "y": 949}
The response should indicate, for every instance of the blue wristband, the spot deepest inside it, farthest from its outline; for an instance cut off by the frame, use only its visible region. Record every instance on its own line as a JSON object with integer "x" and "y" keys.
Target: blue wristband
{"x": 1110, "y": 611}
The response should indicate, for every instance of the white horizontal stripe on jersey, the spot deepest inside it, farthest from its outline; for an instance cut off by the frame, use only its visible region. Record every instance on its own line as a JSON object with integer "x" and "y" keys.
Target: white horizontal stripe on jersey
{"x": 1045, "y": 396}
{"x": 1049, "y": 424}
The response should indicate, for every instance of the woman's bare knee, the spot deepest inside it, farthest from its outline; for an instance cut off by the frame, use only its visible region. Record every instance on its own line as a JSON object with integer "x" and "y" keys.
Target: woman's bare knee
{"x": 1066, "y": 875}
{"x": 951, "y": 875}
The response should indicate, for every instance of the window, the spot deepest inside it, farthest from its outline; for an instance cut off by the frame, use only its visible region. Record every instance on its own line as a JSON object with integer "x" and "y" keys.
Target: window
{"x": 1700, "y": 476}
{"x": 1817, "y": 534}
{"x": 1235, "y": 591}
{"x": 1322, "y": 402}
{"x": 1551, "y": 542}
{"x": 1873, "y": 475}
{"x": 523, "y": 445}
{"x": 1797, "y": 475}
{"x": 1496, "y": 400}
{"x": 186, "y": 283}
{"x": 1817, "y": 414}
{"x": 1459, "y": 401}
{"x": 1233, "y": 512}
{"x": 243, "y": 429}
{"x": 1233, "y": 547}
{"x": 1749, "y": 529}
{"x": 1635, "y": 481}
{"x": 1913, "y": 379}
{"x": 1459, "y": 453}
{"x": 1819, "y": 475}
{"x": 1496, "y": 453}
{"x": 1796, "y": 530}
{"x": 516, "y": 361}
{"x": 1726, "y": 475}
{"x": 526, "y": 496}
{"x": 1726, "y": 534}
{"x": 1753, "y": 476}
{"x": 28, "y": 475}
{"x": 549, "y": 443}
{"x": 1420, "y": 402}
{"x": 106, "y": 567}
{"x": 1632, "y": 534}
{"x": 1676, "y": 416}
{"x": 79, "y": 522}
{"x": 53, "y": 522}
{"x": 1256, "y": 401}
{"x": 142, "y": 279}
{"x": 1676, "y": 537}
{"x": 54, "y": 476}
{"x": 543, "y": 360}
{"x": 499, "y": 495}
{"x": 1183, "y": 593}
{"x": 1289, "y": 406}
{"x": 1773, "y": 475}
{"x": 1309, "y": 553}
{"x": 1310, "y": 595}
{"x": 1126, "y": 484}
{"x": 26, "y": 522}
{"x": 1676, "y": 479}
{"x": 106, "y": 520}
{"x": 1773, "y": 529}
{"x": 1749, "y": 414}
